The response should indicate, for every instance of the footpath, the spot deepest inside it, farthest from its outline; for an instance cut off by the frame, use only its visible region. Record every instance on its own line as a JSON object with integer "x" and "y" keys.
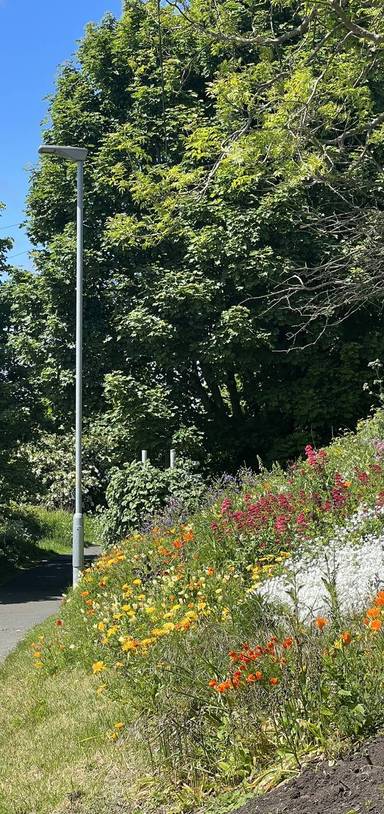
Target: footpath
{"x": 33, "y": 595}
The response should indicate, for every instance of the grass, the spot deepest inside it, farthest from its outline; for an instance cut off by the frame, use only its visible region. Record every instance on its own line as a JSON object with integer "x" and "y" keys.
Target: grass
{"x": 29, "y": 533}
{"x": 52, "y": 737}
{"x": 167, "y": 684}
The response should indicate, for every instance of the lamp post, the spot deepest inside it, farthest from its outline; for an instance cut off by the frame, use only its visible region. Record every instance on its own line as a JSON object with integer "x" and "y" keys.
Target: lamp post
{"x": 77, "y": 155}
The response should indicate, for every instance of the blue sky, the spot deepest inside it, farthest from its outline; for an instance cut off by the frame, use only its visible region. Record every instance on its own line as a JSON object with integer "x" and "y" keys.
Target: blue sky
{"x": 36, "y": 36}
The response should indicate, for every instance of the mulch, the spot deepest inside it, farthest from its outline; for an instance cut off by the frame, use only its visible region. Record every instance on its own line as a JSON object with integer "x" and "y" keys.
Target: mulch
{"x": 353, "y": 785}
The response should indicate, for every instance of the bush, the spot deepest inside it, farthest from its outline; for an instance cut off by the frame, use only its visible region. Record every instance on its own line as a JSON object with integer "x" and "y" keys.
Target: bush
{"x": 138, "y": 492}
{"x": 52, "y": 461}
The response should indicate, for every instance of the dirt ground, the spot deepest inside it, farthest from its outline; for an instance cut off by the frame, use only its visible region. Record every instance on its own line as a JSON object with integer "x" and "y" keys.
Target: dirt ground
{"x": 353, "y": 785}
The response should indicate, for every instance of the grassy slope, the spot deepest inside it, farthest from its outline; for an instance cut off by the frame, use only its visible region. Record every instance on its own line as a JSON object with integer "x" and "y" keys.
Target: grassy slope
{"x": 183, "y": 743}
{"x": 29, "y": 533}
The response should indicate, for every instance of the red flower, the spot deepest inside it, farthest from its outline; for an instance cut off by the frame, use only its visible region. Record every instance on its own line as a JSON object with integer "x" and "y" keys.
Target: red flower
{"x": 59, "y": 622}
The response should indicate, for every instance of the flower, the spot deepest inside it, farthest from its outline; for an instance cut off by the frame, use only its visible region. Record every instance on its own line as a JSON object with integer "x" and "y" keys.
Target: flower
{"x": 321, "y": 622}
{"x": 129, "y": 644}
{"x": 375, "y": 625}
{"x": 59, "y": 623}
{"x": 346, "y": 637}
{"x": 273, "y": 681}
{"x": 373, "y": 613}
{"x": 287, "y": 643}
{"x": 379, "y": 599}
{"x": 98, "y": 667}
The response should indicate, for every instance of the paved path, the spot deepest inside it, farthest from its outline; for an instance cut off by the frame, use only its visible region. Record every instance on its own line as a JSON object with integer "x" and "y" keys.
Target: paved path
{"x": 29, "y": 597}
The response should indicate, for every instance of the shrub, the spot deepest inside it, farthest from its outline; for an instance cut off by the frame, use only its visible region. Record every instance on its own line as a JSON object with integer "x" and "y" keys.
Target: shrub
{"x": 52, "y": 461}
{"x": 138, "y": 492}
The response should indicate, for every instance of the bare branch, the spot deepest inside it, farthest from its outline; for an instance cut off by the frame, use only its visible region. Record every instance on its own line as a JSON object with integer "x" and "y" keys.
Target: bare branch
{"x": 255, "y": 40}
{"x": 355, "y": 29}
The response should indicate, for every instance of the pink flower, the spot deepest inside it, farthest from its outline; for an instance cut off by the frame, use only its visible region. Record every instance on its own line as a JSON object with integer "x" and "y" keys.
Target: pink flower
{"x": 226, "y": 505}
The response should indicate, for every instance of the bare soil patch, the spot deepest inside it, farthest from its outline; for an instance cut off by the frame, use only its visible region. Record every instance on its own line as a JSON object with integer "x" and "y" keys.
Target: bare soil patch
{"x": 353, "y": 785}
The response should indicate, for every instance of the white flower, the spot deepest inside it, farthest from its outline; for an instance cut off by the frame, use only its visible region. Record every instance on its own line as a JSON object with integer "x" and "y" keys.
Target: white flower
{"x": 353, "y": 568}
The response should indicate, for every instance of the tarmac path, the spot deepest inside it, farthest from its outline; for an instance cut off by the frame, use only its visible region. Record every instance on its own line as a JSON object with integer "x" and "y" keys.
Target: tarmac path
{"x": 33, "y": 595}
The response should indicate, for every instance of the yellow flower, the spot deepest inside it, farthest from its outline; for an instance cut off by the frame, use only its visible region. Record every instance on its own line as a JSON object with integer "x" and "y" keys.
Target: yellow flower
{"x": 111, "y": 631}
{"x": 113, "y": 736}
{"x": 141, "y": 597}
{"x": 129, "y": 644}
{"x": 37, "y": 654}
{"x": 158, "y": 631}
{"x": 225, "y": 613}
{"x": 136, "y": 581}
{"x": 146, "y": 642}
{"x": 169, "y": 626}
{"x": 126, "y": 608}
{"x": 38, "y": 664}
{"x": 98, "y": 666}
{"x": 150, "y": 610}
{"x": 101, "y": 626}
{"x": 119, "y": 725}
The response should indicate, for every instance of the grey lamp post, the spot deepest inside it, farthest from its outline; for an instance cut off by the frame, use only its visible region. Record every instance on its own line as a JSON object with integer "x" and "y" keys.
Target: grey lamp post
{"x": 77, "y": 155}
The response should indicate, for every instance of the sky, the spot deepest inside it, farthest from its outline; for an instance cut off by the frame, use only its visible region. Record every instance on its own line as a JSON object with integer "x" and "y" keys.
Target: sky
{"x": 36, "y": 37}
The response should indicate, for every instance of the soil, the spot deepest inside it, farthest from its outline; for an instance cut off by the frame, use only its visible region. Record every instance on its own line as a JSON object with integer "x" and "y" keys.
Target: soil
{"x": 353, "y": 785}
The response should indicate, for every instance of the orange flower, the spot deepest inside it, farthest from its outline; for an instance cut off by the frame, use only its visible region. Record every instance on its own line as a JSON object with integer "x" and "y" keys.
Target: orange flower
{"x": 210, "y": 572}
{"x": 321, "y": 622}
{"x": 373, "y": 613}
{"x": 212, "y": 683}
{"x": 346, "y": 637}
{"x": 84, "y": 593}
{"x": 287, "y": 643}
{"x": 251, "y": 678}
{"x": 224, "y": 686}
{"x": 258, "y": 675}
{"x": 379, "y": 600}
{"x": 59, "y": 623}
{"x": 274, "y": 681}
{"x": 375, "y": 625}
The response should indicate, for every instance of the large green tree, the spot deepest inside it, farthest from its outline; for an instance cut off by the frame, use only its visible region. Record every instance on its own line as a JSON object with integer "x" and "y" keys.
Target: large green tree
{"x": 232, "y": 148}
{"x": 17, "y": 411}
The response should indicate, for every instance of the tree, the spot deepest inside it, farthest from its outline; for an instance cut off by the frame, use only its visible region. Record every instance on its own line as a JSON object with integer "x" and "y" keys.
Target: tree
{"x": 14, "y": 402}
{"x": 221, "y": 138}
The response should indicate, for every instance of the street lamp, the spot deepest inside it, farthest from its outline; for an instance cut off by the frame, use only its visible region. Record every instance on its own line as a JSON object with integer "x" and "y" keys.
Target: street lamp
{"x": 78, "y": 155}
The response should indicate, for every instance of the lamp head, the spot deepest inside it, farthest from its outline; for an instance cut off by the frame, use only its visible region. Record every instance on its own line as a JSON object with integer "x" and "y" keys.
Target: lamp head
{"x": 70, "y": 153}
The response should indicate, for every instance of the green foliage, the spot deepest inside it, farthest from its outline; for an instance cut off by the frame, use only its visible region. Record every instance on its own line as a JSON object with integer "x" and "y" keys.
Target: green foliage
{"x": 137, "y": 492}
{"x": 28, "y": 534}
{"x": 50, "y": 458}
{"x": 202, "y": 192}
